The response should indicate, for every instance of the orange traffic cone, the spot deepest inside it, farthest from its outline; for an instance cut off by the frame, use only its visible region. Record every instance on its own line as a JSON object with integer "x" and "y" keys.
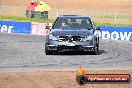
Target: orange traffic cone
{"x": 81, "y": 71}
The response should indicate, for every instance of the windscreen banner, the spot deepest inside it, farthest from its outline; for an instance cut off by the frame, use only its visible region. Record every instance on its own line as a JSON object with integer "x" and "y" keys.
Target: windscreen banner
{"x": 116, "y": 33}
{"x": 15, "y": 27}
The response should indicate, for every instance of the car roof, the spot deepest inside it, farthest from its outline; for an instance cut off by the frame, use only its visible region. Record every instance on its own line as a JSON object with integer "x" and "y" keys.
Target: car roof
{"x": 73, "y": 16}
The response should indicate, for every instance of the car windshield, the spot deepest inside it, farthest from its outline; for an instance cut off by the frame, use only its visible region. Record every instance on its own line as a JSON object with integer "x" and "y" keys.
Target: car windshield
{"x": 72, "y": 23}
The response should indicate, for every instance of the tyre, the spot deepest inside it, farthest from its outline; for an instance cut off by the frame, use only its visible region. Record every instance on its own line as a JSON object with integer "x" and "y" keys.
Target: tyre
{"x": 49, "y": 52}
{"x": 96, "y": 49}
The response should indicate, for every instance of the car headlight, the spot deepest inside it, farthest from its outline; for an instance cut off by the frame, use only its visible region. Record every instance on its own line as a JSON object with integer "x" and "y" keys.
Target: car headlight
{"x": 89, "y": 38}
{"x": 52, "y": 37}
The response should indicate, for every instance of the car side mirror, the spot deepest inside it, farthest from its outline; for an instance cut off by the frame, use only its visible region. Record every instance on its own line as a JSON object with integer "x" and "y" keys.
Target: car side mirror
{"x": 48, "y": 27}
{"x": 98, "y": 28}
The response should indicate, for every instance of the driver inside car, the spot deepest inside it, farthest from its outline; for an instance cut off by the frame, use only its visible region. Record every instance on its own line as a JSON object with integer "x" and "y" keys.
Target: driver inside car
{"x": 64, "y": 24}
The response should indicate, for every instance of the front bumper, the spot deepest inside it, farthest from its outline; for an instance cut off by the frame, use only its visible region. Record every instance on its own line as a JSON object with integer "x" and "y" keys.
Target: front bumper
{"x": 77, "y": 46}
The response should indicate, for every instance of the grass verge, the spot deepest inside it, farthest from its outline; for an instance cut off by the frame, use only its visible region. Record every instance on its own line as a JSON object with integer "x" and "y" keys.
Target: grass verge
{"x": 109, "y": 24}
{"x": 25, "y": 19}
{"x": 118, "y": 16}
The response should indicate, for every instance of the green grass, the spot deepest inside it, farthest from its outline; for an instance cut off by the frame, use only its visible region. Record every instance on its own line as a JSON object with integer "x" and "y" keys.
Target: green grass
{"x": 118, "y": 16}
{"x": 109, "y": 24}
{"x": 25, "y": 19}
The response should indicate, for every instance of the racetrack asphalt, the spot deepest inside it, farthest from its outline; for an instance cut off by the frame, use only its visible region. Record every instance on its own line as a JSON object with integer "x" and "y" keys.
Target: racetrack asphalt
{"x": 21, "y": 51}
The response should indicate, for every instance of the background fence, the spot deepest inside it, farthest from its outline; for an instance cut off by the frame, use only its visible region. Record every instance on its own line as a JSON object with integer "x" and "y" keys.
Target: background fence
{"x": 101, "y": 16}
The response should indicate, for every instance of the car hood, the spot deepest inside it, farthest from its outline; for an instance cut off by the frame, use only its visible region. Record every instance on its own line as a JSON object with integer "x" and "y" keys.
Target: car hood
{"x": 74, "y": 32}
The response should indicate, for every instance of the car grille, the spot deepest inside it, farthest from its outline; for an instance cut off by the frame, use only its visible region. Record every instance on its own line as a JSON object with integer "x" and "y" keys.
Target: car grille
{"x": 70, "y": 38}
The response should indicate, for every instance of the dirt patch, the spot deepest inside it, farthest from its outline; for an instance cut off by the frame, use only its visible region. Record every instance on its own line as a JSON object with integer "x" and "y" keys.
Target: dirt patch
{"x": 53, "y": 80}
{"x": 80, "y": 4}
{"x": 94, "y": 8}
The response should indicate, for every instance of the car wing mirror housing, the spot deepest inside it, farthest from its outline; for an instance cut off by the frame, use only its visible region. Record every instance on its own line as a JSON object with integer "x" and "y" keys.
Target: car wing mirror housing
{"x": 98, "y": 28}
{"x": 48, "y": 27}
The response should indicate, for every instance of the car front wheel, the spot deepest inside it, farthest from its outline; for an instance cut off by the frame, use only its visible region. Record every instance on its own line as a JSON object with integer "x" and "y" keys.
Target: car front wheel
{"x": 96, "y": 50}
{"x": 49, "y": 52}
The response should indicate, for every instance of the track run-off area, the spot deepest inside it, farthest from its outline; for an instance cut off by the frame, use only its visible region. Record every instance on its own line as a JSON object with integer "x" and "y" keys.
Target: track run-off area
{"x": 20, "y": 51}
